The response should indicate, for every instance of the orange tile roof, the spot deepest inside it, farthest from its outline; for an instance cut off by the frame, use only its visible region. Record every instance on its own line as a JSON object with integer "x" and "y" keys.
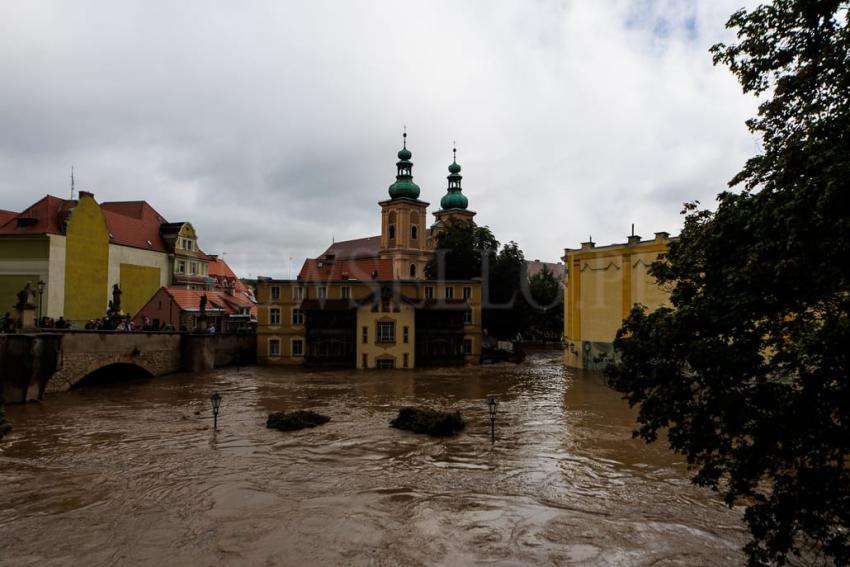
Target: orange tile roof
{"x": 190, "y": 300}
{"x": 218, "y": 269}
{"x": 317, "y": 269}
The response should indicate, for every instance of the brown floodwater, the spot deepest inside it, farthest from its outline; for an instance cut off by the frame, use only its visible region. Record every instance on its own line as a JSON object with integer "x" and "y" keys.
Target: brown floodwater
{"x": 132, "y": 473}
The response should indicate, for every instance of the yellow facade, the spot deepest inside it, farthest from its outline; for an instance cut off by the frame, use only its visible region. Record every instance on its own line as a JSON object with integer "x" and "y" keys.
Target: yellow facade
{"x": 603, "y": 283}
{"x": 138, "y": 284}
{"x": 86, "y": 262}
{"x": 282, "y": 336}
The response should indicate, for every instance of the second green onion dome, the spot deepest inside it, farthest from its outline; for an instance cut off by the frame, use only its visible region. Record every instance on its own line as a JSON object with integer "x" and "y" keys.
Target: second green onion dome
{"x": 454, "y": 198}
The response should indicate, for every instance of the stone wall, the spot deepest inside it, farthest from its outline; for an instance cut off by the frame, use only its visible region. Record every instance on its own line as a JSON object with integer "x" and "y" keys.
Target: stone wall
{"x": 84, "y": 352}
{"x": 32, "y": 364}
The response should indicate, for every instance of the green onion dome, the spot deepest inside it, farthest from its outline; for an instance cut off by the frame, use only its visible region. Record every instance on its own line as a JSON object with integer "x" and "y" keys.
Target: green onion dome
{"x": 404, "y": 187}
{"x": 454, "y": 197}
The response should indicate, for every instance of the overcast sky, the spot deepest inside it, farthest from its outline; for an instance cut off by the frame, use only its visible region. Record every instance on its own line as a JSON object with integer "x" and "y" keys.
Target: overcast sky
{"x": 273, "y": 126}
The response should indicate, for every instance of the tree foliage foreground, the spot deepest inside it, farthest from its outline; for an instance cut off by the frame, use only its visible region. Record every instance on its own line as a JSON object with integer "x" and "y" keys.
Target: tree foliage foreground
{"x": 747, "y": 372}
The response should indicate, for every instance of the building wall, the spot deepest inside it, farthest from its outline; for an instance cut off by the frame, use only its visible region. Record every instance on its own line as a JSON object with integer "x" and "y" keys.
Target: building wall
{"x": 54, "y": 291}
{"x": 86, "y": 262}
{"x": 22, "y": 260}
{"x": 403, "y": 249}
{"x": 401, "y": 316}
{"x": 602, "y": 285}
{"x": 285, "y": 332}
{"x": 139, "y": 273}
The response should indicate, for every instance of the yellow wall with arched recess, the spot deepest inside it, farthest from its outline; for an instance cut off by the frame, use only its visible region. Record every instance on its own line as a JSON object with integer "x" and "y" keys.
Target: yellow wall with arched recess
{"x": 86, "y": 262}
{"x": 138, "y": 284}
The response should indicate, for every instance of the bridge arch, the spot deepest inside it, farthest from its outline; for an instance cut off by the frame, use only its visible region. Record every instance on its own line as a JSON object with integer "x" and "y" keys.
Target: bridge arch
{"x": 112, "y": 373}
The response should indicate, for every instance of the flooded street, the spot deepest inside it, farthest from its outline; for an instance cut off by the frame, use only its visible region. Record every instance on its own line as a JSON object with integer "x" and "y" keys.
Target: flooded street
{"x": 132, "y": 473}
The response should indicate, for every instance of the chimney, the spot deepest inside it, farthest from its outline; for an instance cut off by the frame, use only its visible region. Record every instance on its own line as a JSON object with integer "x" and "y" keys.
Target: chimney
{"x": 86, "y": 194}
{"x": 662, "y": 236}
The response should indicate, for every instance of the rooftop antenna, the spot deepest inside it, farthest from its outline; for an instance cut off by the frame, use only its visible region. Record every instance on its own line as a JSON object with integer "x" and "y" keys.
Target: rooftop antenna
{"x": 72, "y": 182}
{"x": 633, "y": 229}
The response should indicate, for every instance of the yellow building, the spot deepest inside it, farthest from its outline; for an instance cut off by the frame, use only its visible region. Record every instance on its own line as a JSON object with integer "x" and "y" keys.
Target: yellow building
{"x": 79, "y": 249}
{"x": 366, "y": 303}
{"x": 602, "y": 285}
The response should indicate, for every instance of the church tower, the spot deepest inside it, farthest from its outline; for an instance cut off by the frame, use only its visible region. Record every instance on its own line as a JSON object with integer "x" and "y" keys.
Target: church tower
{"x": 403, "y": 218}
{"x": 453, "y": 205}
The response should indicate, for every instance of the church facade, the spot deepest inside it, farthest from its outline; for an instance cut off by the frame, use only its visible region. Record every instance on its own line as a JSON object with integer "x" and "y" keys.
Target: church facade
{"x": 367, "y": 303}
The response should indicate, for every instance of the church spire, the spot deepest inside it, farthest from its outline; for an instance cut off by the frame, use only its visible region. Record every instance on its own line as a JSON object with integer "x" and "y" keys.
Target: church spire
{"x": 454, "y": 198}
{"x": 404, "y": 187}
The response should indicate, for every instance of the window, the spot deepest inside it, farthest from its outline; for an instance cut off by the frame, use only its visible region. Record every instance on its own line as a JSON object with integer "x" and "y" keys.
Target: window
{"x": 386, "y": 363}
{"x": 429, "y": 292}
{"x": 297, "y": 317}
{"x": 365, "y": 335}
{"x": 193, "y": 268}
{"x": 274, "y": 316}
{"x": 298, "y": 293}
{"x": 414, "y": 232}
{"x": 467, "y": 317}
{"x": 274, "y": 347}
{"x": 467, "y": 346}
{"x": 392, "y": 232}
{"x": 467, "y": 292}
{"x": 181, "y": 266}
{"x": 406, "y": 360}
{"x": 413, "y": 270}
{"x": 450, "y": 292}
{"x": 406, "y": 335}
{"x": 275, "y": 292}
{"x": 365, "y": 361}
{"x": 297, "y": 347}
{"x": 386, "y": 332}
{"x": 345, "y": 292}
{"x": 323, "y": 292}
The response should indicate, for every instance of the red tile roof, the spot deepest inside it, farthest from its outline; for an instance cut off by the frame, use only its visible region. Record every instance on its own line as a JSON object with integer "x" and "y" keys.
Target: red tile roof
{"x": 134, "y": 223}
{"x": 318, "y": 269}
{"x": 6, "y": 216}
{"x": 49, "y": 213}
{"x": 355, "y": 249}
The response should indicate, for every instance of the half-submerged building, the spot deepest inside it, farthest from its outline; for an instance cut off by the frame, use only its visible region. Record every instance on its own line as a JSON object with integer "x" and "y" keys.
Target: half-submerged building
{"x": 603, "y": 283}
{"x": 366, "y": 303}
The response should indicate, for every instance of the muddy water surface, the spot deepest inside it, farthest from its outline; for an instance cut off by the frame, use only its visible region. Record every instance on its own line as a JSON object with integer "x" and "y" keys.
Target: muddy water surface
{"x": 132, "y": 474}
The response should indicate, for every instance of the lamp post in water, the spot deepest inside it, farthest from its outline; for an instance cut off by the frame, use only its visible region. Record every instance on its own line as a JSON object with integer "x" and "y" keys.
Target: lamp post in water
{"x": 215, "y": 400}
{"x": 492, "y": 403}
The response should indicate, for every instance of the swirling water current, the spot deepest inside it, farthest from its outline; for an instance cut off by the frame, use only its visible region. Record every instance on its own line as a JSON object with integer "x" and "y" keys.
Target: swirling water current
{"x": 131, "y": 473}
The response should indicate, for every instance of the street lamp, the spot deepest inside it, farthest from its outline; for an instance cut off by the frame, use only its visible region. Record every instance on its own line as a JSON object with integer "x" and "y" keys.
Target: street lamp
{"x": 492, "y": 403}
{"x": 40, "y": 285}
{"x": 215, "y": 400}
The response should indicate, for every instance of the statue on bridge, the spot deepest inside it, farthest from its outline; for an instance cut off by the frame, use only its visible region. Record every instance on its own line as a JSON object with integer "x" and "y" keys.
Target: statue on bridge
{"x": 115, "y": 305}
{"x": 26, "y": 298}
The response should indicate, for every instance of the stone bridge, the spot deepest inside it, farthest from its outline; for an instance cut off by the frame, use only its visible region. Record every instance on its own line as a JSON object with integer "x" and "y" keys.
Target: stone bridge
{"x": 34, "y": 364}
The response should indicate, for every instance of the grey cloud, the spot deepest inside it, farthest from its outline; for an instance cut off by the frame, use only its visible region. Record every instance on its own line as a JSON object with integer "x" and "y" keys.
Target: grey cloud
{"x": 273, "y": 126}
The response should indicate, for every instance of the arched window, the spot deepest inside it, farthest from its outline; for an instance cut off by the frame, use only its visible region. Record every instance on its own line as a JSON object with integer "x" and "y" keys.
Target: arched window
{"x": 392, "y": 232}
{"x": 391, "y": 226}
{"x": 413, "y": 270}
{"x": 414, "y": 232}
